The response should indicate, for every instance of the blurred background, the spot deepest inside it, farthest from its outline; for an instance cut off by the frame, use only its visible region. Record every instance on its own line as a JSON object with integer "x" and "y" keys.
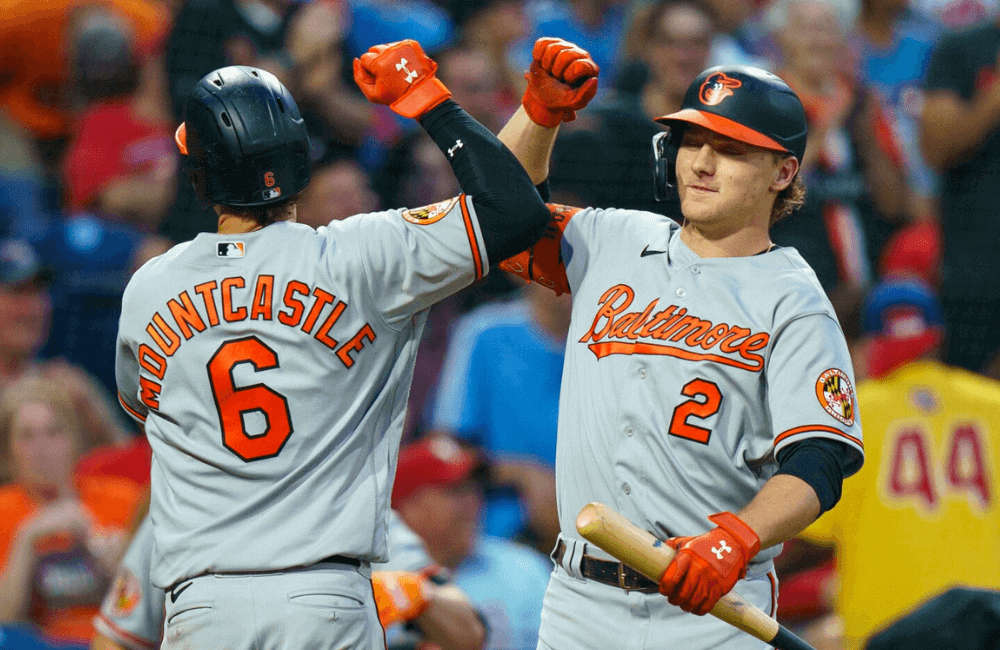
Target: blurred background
{"x": 901, "y": 225}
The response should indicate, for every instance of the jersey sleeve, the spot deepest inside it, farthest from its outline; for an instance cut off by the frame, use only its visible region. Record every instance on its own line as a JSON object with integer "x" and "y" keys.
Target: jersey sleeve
{"x": 412, "y": 258}
{"x": 132, "y": 611}
{"x": 406, "y": 550}
{"x": 810, "y": 384}
{"x": 127, "y": 369}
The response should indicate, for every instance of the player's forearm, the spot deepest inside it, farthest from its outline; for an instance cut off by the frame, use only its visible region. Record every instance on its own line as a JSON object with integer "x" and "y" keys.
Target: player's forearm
{"x": 531, "y": 143}
{"x": 782, "y": 509}
{"x": 451, "y": 621}
{"x": 511, "y": 214}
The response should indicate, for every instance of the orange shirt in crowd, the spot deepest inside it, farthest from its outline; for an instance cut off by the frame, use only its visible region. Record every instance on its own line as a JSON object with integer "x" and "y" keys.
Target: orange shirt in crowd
{"x": 35, "y": 52}
{"x": 68, "y": 583}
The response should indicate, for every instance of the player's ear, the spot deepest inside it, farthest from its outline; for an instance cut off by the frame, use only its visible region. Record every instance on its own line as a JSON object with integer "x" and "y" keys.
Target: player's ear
{"x": 788, "y": 167}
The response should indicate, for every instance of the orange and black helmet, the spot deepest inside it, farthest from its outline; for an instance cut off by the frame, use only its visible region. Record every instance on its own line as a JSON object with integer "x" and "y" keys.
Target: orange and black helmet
{"x": 744, "y": 103}
{"x": 243, "y": 141}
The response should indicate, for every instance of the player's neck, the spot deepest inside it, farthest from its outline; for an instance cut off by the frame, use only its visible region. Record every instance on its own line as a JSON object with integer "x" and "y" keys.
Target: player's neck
{"x": 744, "y": 242}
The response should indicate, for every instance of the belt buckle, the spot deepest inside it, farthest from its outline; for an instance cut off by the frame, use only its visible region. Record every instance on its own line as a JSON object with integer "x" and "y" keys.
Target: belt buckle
{"x": 621, "y": 577}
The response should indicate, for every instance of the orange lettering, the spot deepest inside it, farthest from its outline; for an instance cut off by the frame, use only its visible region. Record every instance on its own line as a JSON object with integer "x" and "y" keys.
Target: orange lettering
{"x": 356, "y": 343}
{"x": 690, "y": 326}
{"x": 620, "y": 325}
{"x": 297, "y": 306}
{"x": 207, "y": 289}
{"x": 715, "y": 336}
{"x": 262, "y": 298}
{"x": 609, "y": 310}
{"x": 658, "y": 319}
{"x": 633, "y": 332}
{"x": 187, "y": 316}
{"x": 149, "y": 393}
{"x": 735, "y": 333}
{"x": 168, "y": 346}
{"x": 668, "y": 326}
{"x": 232, "y": 315}
{"x": 151, "y": 361}
{"x": 322, "y": 299}
{"x": 323, "y": 334}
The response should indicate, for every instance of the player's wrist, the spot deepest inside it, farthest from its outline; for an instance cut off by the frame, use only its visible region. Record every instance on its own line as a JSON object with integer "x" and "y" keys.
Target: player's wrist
{"x": 543, "y": 115}
{"x": 424, "y": 97}
{"x": 739, "y": 530}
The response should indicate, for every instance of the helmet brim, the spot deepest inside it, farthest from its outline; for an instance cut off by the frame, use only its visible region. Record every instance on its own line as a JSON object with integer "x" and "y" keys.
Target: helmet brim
{"x": 724, "y": 126}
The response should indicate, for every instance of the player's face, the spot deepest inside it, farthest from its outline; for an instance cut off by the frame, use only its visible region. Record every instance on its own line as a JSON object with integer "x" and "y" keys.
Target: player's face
{"x": 724, "y": 183}
{"x": 43, "y": 448}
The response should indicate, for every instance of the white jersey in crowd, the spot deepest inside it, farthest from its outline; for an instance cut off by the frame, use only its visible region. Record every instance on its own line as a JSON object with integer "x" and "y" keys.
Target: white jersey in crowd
{"x": 132, "y": 611}
{"x": 685, "y": 375}
{"x": 271, "y": 370}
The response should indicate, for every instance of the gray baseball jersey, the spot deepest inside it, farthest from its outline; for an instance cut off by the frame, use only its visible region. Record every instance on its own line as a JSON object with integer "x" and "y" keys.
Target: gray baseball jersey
{"x": 132, "y": 611}
{"x": 683, "y": 378}
{"x": 271, "y": 370}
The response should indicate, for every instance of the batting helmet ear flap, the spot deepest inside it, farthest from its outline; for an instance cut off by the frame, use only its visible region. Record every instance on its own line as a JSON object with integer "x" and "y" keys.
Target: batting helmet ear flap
{"x": 663, "y": 158}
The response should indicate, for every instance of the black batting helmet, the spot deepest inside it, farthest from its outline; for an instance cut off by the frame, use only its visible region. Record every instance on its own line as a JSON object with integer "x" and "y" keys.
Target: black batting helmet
{"x": 243, "y": 140}
{"x": 744, "y": 103}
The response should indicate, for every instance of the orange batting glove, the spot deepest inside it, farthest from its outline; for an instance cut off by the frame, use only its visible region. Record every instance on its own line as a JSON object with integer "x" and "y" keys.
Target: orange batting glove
{"x": 401, "y": 76}
{"x": 562, "y": 79}
{"x": 400, "y": 595}
{"x": 707, "y": 566}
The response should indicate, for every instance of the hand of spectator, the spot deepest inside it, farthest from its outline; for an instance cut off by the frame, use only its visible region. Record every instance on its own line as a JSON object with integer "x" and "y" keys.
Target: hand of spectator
{"x": 708, "y": 566}
{"x": 401, "y": 76}
{"x": 562, "y": 79}
{"x": 66, "y": 515}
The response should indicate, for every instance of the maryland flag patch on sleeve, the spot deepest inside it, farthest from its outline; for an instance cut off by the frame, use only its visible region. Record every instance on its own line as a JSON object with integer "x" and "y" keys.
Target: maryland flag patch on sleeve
{"x": 429, "y": 213}
{"x": 836, "y": 395}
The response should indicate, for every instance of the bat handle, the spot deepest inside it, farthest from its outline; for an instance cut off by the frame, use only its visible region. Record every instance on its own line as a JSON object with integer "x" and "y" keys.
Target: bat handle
{"x": 785, "y": 640}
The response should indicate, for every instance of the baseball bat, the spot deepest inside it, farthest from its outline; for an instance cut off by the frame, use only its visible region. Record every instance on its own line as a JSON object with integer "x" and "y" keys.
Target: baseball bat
{"x": 612, "y": 532}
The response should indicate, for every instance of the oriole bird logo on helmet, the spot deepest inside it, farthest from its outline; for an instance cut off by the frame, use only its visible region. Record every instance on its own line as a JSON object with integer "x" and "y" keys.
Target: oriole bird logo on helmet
{"x": 716, "y": 88}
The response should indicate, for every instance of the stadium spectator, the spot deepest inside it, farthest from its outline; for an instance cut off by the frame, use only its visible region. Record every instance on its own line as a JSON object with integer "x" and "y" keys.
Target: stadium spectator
{"x": 892, "y": 44}
{"x": 60, "y": 537}
{"x": 25, "y": 308}
{"x": 507, "y": 405}
{"x": 851, "y": 166}
{"x": 931, "y": 431}
{"x": 956, "y": 15}
{"x": 741, "y": 36}
{"x": 385, "y": 21}
{"x": 671, "y": 46}
{"x": 337, "y": 191}
{"x": 435, "y": 495}
{"x": 960, "y": 137}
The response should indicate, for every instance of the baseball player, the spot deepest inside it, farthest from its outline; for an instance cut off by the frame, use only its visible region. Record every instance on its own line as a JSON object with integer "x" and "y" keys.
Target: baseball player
{"x": 410, "y": 587}
{"x": 707, "y": 392}
{"x": 270, "y": 362}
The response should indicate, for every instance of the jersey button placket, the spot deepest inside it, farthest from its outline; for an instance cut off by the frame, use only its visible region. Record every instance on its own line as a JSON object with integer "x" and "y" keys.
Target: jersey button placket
{"x": 626, "y": 489}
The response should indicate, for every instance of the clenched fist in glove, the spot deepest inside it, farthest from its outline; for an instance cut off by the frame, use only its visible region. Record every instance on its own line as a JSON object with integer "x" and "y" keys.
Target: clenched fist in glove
{"x": 562, "y": 79}
{"x": 401, "y": 76}
{"x": 707, "y": 566}
{"x": 400, "y": 595}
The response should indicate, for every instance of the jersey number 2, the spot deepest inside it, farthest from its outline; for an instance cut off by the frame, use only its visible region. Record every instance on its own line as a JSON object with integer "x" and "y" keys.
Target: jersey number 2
{"x": 233, "y": 403}
{"x": 705, "y": 402}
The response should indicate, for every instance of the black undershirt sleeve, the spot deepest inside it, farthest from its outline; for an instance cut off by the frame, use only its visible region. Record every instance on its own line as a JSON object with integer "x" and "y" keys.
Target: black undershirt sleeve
{"x": 512, "y": 216}
{"x": 823, "y": 464}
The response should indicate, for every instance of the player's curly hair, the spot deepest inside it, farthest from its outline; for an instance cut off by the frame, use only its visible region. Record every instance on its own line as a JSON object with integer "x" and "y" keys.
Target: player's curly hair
{"x": 789, "y": 199}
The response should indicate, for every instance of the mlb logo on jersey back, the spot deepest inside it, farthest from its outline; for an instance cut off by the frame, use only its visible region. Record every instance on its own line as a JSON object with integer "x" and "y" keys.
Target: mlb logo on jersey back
{"x": 231, "y": 249}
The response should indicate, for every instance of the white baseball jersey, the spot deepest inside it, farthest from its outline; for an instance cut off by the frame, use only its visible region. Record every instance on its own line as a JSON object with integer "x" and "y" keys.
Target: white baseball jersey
{"x": 271, "y": 370}
{"x": 685, "y": 375}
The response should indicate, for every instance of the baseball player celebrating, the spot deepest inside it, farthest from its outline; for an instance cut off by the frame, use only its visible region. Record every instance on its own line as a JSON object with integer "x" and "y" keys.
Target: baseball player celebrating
{"x": 707, "y": 392}
{"x": 270, "y": 362}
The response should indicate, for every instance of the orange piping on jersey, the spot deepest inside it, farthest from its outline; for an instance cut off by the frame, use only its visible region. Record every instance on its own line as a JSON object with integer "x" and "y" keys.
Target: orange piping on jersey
{"x": 774, "y": 594}
{"x": 817, "y": 427}
{"x": 232, "y": 315}
{"x": 606, "y": 348}
{"x": 186, "y": 316}
{"x": 323, "y": 298}
{"x": 136, "y": 414}
{"x": 297, "y": 306}
{"x": 477, "y": 259}
{"x": 261, "y": 307}
{"x": 323, "y": 334}
{"x": 206, "y": 289}
{"x": 137, "y": 640}
{"x": 356, "y": 343}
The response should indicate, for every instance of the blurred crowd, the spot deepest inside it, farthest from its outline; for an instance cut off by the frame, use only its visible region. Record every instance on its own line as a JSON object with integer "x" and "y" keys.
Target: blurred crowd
{"x": 901, "y": 170}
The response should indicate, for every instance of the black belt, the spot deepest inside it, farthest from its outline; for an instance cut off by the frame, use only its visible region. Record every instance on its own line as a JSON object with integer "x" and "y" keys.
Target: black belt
{"x": 332, "y": 559}
{"x": 611, "y": 573}
{"x": 340, "y": 559}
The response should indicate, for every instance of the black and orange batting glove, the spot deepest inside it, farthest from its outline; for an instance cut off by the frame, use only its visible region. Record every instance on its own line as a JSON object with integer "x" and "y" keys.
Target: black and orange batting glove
{"x": 400, "y": 76}
{"x": 562, "y": 79}
{"x": 708, "y": 566}
{"x": 400, "y": 595}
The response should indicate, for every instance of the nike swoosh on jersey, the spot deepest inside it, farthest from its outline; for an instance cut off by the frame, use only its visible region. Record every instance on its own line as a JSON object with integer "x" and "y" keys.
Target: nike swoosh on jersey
{"x": 178, "y": 591}
{"x": 646, "y": 251}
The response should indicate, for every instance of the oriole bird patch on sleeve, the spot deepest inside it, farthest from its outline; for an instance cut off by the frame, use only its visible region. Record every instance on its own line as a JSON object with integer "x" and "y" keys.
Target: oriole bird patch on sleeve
{"x": 429, "y": 213}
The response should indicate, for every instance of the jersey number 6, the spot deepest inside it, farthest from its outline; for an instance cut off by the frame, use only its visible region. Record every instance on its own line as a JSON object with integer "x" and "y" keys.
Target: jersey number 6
{"x": 233, "y": 403}
{"x": 705, "y": 402}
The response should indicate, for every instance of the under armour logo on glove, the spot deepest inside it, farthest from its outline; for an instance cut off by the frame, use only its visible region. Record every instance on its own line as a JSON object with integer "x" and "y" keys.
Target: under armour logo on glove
{"x": 725, "y": 548}
{"x": 410, "y": 74}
